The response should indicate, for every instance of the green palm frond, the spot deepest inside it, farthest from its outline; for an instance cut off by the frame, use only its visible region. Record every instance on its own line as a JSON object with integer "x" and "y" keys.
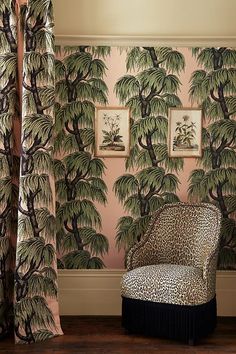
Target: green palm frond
{"x": 42, "y": 335}
{"x": 170, "y": 183}
{"x": 197, "y": 189}
{"x": 130, "y": 230}
{"x": 170, "y": 198}
{"x": 132, "y": 205}
{"x": 143, "y": 159}
{"x": 42, "y": 286}
{"x": 230, "y": 202}
{"x": 36, "y": 251}
{"x": 171, "y": 84}
{"x": 151, "y": 177}
{"x": 69, "y": 243}
{"x": 61, "y": 91}
{"x": 134, "y": 152}
{"x": 124, "y": 238}
{"x": 5, "y": 189}
{"x": 174, "y": 61}
{"x": 96, "y": 168}
{"x": 148, "y": 125}
{"x": 229, "y": 57}
{"x": 78, "y": 62}
{"x": 159, "y": 106}
{"x": 100, "y": 51}
{"x": 47, "y": 95}
{"x": 59, "y": 141}
{"x": 37, "y": 310}
{"x": 86, "y": 190}
{"x": 46, "y": 222}
{"x": 8, "y": 65}
{"x": 38, "y": 125}
{"x": 24, "y": 225}
{"x": 98, "y": 84}
{"x": 95, "y": 263}
{"x": 60, "y": 70}
{"x": 134, "y": 103}
{"x": 76, "y": 259}
{"x": 231, "y": 104}
{"x": 43, "y": 162}
{"x": 125, "y": 186}
{"x": 97, "y": 68}
{"x": 44, "y": 39}
{"x": 227, "y": 258}
{"x": 4, "y": 167}
{"x": 78, "y": 162}
{"x": 87, "y": 136}
{"x": 36, "y": 183}
{"x": 4, "y": 247}
{"x": 155, "y": 202}
{"x": 133, "y": 58}
{"x": 59, "y": 169}
{"x": 205, "y": 57}
{"x": 61, "y": 190}
{"x": 39, "y": 8}
{"x": 223, "y": 129}
{"x": 126, "y": 87}
{"x": 97, "y": 243}
{"x": 206, "y": 159}
{"x": 153, "y": 78}
{"x": 85, "y": 211}
{"x": 70, "y": 144}
{"x": 6, "y": 123}
{"x": 228, "y": 158}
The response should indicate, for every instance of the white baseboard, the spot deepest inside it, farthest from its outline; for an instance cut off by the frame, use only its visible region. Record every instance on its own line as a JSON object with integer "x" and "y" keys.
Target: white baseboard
{"x": 97, "y": 292}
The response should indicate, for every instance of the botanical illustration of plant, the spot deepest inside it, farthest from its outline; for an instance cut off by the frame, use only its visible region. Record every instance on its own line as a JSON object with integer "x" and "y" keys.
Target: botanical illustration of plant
{"x": 8, "y": 191}
{"x": 185, "y": 135}
{"x": 79, "y": 176}
{"x": 112, "y": 140}
{"x": 148, "y": 94}
{"x": 35, "y": 274}
{"x": 214, "y": 88}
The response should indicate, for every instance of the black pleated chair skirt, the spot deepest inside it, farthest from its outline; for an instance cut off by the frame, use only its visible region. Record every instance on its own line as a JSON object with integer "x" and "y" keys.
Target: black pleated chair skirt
{"x": 185, "y": 323}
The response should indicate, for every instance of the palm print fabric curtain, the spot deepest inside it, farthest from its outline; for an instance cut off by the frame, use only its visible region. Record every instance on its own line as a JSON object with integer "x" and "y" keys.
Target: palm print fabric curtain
{"x": 28, "y": 272}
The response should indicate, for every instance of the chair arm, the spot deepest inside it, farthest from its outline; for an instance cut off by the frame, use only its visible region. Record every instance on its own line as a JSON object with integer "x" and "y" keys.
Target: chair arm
{"x": 140, "y": 255}
{"x": 209, "y": 270}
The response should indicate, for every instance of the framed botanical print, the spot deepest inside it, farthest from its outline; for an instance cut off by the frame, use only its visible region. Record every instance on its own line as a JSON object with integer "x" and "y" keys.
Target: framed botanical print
{"x": 112, "y": 132}
{"x": 185, "y": 132}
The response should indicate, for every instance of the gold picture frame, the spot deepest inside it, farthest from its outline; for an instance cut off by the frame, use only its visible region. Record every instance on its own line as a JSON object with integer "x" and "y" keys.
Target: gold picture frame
{"x": 185, "y": 132}
{"x": 112, "y": 132}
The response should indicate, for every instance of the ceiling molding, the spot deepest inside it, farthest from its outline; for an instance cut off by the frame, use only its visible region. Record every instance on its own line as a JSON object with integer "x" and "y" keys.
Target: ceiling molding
{"x": 178, "y": 41}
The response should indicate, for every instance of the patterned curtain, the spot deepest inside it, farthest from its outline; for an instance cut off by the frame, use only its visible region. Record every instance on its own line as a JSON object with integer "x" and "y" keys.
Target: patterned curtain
{"x": 28, "y": 272}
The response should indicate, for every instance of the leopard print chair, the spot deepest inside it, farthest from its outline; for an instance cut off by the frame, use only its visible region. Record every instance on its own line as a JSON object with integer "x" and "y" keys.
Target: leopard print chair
{"x": 169, "y": 287}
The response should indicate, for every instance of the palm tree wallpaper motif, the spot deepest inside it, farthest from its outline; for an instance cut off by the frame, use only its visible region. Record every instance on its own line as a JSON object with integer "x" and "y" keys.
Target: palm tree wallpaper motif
{"x": 213, "y": 87}
{"x": 8, "y": 191}
{"x": 112, "y": 140}
{"x": 185, "y": 135}
{"x": 149, "y": 94}
{"x": 35, "y": 275}
{"x": 79, "y": 182}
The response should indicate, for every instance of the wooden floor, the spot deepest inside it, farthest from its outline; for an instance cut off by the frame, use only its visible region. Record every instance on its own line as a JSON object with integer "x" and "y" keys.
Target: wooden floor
{"x": 104, "y": 335}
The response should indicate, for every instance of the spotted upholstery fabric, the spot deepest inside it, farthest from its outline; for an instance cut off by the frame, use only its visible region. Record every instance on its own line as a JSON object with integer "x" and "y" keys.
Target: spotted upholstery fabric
{"x": 175, "y": 262}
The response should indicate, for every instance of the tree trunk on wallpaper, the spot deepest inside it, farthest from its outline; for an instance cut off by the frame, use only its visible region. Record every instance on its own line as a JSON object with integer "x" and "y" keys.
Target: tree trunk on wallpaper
{"x": 214, "y": 88}
{"x": 8, "y": 113}
{"x": 149, "y": 94}
{"x": 36, "y": 304}
{"x": 78, "y": 174}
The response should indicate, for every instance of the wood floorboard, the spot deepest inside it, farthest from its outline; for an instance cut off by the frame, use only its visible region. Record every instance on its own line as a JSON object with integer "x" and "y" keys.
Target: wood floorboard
{"x": 104, "y": 335}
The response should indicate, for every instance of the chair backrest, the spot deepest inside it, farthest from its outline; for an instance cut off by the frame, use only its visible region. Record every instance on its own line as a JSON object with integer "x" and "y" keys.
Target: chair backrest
{"x": 184, "y": 233}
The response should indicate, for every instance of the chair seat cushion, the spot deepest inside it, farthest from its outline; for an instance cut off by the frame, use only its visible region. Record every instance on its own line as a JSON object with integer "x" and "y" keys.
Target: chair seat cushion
{"x": 165, "y": 283}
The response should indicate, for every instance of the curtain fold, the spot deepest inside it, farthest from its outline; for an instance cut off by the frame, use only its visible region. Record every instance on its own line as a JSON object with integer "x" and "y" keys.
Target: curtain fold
{"x": 27, "y": 188}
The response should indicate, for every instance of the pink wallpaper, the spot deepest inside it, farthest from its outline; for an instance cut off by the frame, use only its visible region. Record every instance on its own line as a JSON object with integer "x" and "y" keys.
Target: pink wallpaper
{"x": 116, "y": 166}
